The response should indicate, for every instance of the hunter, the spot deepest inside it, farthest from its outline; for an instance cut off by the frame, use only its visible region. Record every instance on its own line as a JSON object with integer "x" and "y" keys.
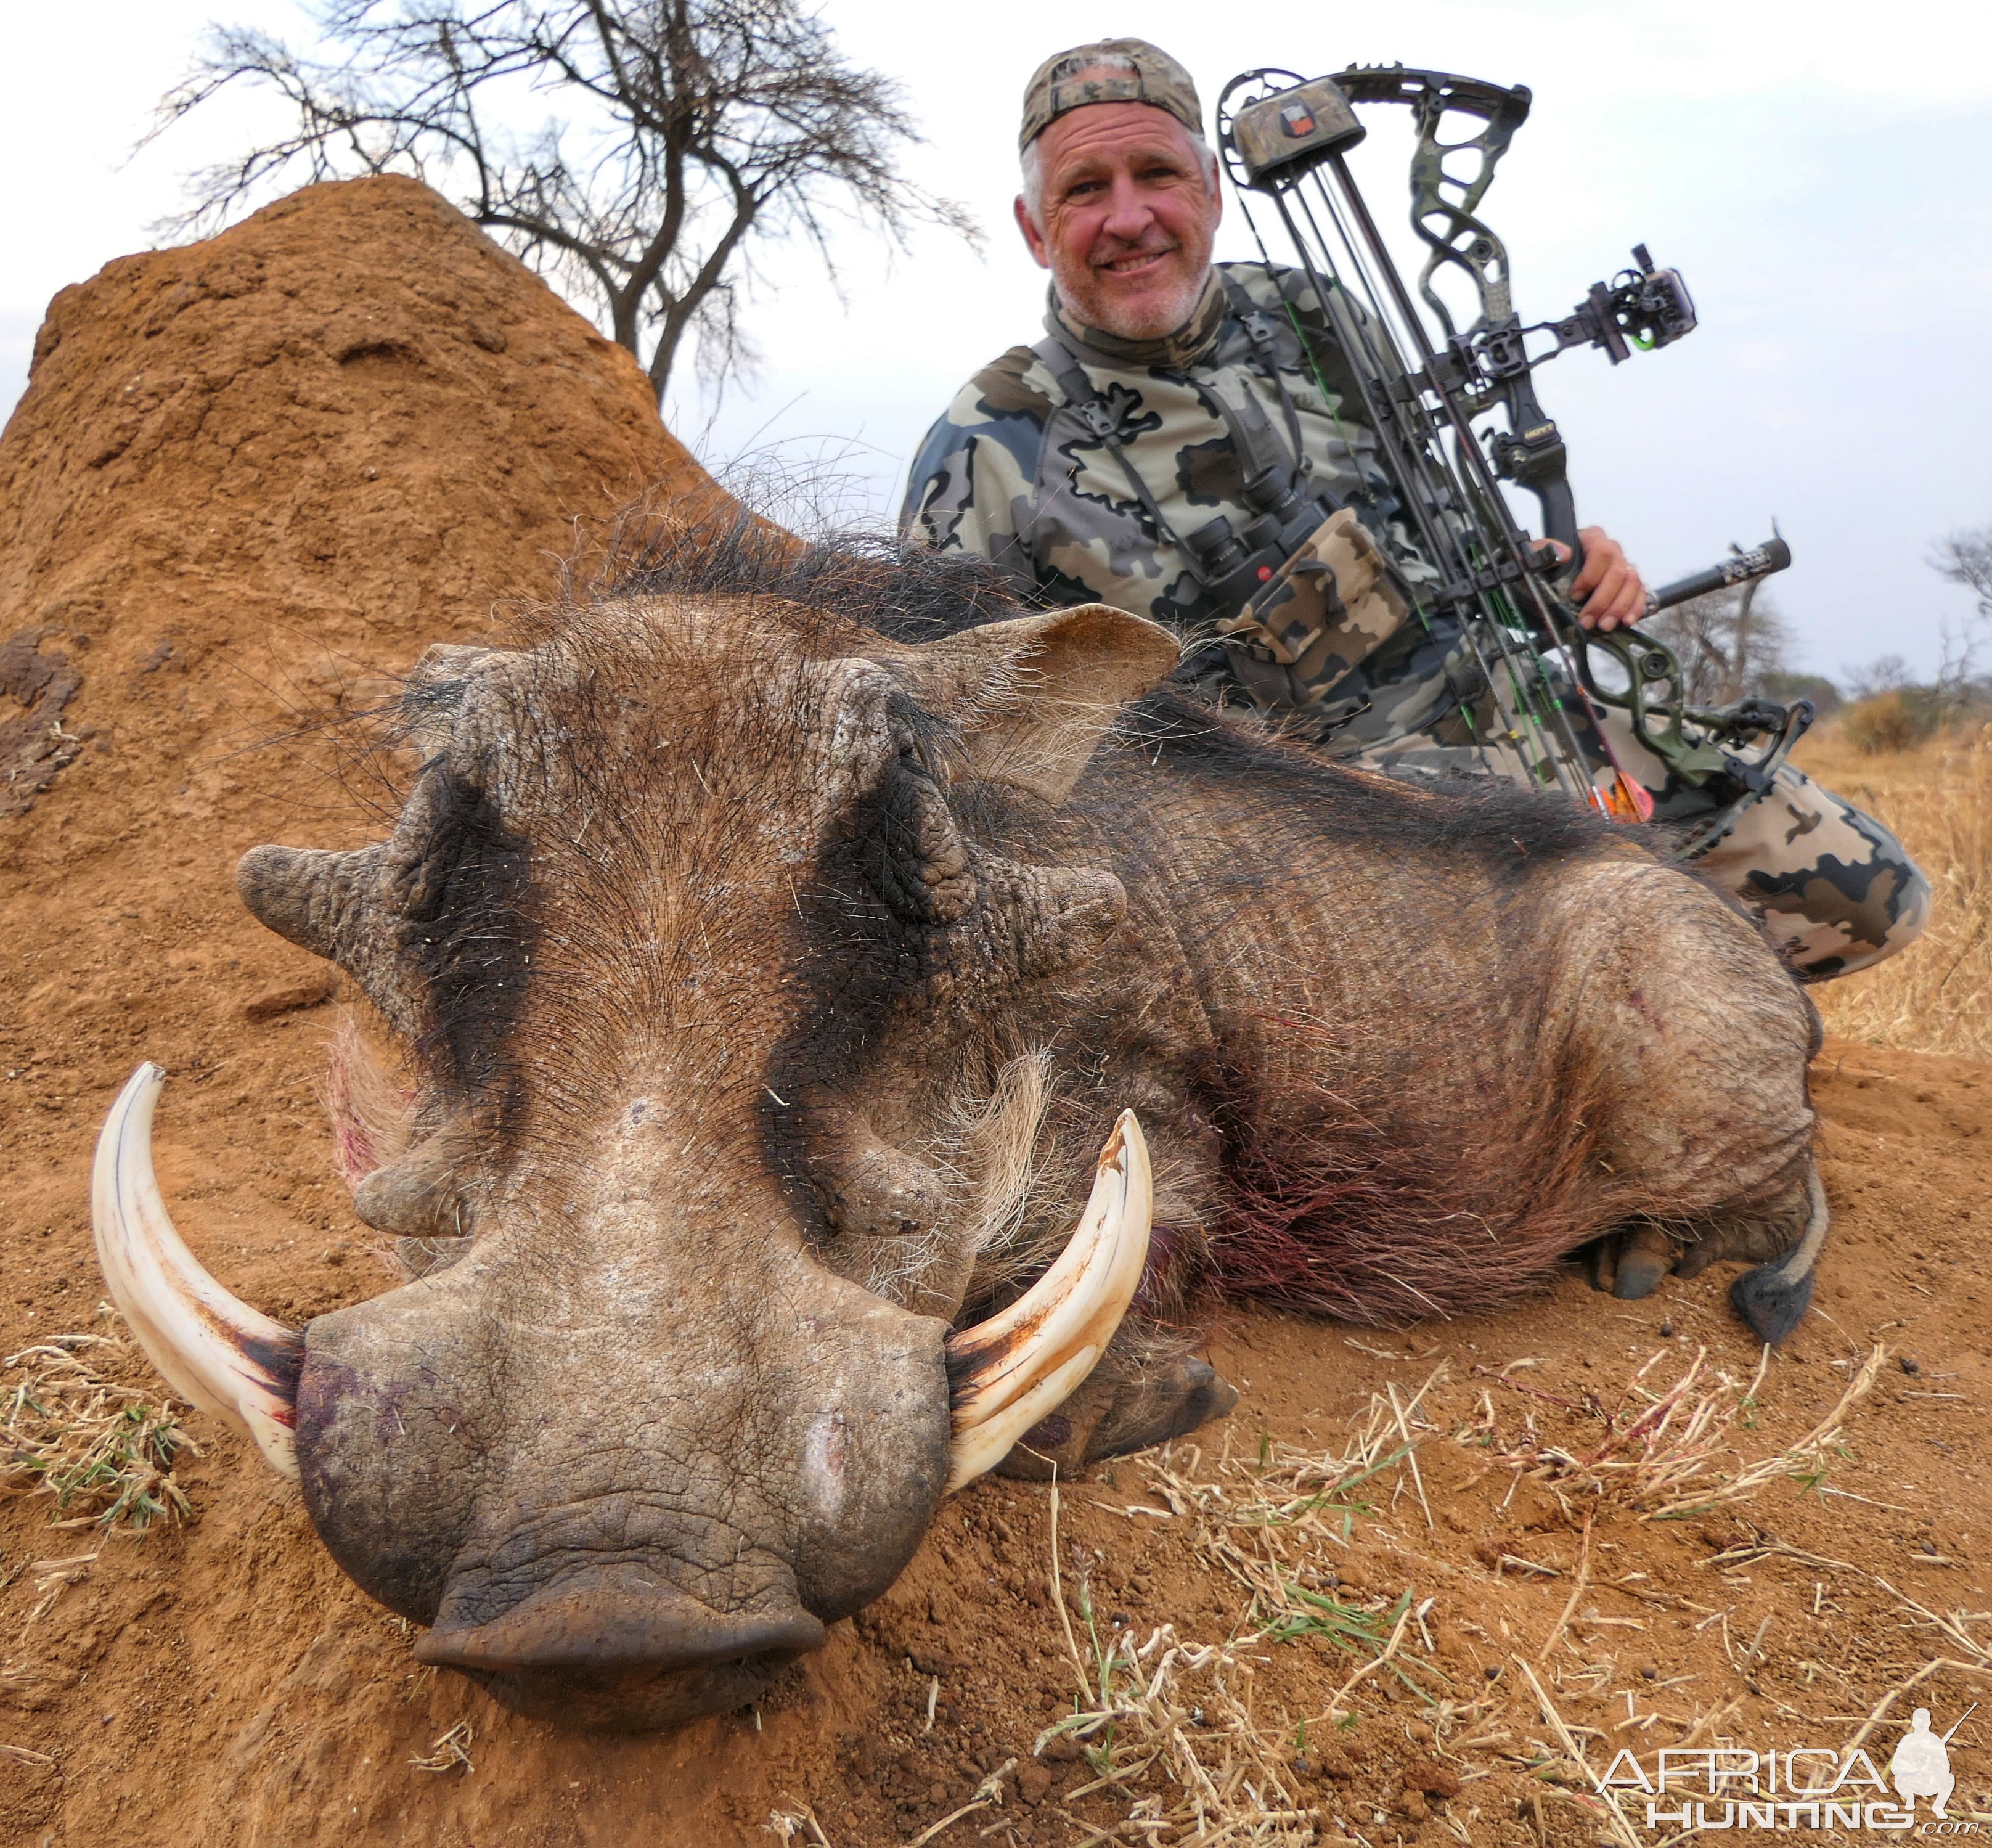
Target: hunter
{"x": 1226, "y": 489}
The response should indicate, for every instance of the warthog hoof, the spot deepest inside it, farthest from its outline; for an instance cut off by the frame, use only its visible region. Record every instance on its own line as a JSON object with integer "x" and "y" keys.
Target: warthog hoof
{"x": 1631, "y": 1264}
{"x": 1782, "y": 1237}
{"x": 1772, "y": 1304}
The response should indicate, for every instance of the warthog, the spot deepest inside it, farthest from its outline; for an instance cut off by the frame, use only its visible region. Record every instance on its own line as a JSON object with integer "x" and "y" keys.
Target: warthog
{"x": 778, "y": 939}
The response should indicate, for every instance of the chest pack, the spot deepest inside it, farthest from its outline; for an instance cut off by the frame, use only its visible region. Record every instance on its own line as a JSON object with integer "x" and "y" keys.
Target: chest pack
{"x": 1298, "y": 594}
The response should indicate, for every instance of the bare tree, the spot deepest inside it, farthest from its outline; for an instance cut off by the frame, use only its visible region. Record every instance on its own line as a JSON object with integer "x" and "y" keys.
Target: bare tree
{"x": 688, "y": 132}
{"x": 1730, "y": 643}
{"x": 1885, "y": 674}
{"x": 1965, "y": 558}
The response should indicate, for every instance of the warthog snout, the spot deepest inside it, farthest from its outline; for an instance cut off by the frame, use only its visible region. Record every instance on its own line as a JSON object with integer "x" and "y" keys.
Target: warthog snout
{"x": 630, "y": 1653}
{"x": 635, "y": 1624}
{"x": 615, "y": 1532}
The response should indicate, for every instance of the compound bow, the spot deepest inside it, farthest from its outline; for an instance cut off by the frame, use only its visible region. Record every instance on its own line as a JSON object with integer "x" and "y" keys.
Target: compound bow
{"x": 1425, "y": 386}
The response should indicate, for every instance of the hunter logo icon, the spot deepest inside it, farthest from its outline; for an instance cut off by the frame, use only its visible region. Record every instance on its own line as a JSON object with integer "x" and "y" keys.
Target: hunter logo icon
{"x": 1796, "y": 1787}
{"x": 1297, "y": 119}
{"x": 1920, "y": 1767}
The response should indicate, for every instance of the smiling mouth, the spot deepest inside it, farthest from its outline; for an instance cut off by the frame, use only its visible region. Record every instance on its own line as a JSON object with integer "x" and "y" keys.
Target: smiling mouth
{"x": 1137, "y": 263}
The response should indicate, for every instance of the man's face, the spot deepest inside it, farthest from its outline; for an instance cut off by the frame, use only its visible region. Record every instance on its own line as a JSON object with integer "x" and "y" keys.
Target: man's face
{"x": 1129, "y": 212}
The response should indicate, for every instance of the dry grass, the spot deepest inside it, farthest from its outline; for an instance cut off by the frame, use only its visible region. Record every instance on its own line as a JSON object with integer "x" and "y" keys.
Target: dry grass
{"x": 1169, "y": 1726}
{"x": 1172, "y": 1726}
{"x": 1937, "y": 996}
{"x": 797, "y": 1825}
{"x": 451, "y": 1750}
{"x": 50, "y": 1579}
{"x": 1277, "y": 1524}
{"x": 1661, "y": 1453}
{"x": 1177, "y": 1731}
{"x": 74, "y": 1425}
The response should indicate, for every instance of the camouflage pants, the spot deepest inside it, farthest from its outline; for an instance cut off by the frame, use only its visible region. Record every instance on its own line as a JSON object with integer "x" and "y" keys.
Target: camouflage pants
{"x": 1837, "y": 890}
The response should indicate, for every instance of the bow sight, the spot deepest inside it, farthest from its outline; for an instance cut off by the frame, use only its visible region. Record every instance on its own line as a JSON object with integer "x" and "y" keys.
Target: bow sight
{"x": 1428, "y": 388}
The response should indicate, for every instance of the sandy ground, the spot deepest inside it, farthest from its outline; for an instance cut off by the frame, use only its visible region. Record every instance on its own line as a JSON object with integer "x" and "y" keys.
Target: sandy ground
{"x": 251, "y": 477}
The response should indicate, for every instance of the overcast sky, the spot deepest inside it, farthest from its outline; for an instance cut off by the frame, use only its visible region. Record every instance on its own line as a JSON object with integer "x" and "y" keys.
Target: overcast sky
{"x": 1815, "y": 170}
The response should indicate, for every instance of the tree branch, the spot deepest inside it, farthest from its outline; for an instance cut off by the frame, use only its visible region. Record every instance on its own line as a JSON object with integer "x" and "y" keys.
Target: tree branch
{"x": 700, "y": 126}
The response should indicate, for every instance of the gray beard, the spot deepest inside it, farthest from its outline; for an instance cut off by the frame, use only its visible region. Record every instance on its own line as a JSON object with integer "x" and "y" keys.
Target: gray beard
{"x": 1157, "y": 323}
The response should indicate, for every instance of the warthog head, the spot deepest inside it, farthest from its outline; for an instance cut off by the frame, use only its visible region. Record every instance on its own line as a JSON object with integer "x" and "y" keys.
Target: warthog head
{"x": 685, "y": 930}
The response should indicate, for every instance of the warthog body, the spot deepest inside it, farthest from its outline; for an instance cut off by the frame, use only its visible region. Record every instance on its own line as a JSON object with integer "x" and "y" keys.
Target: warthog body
{"x": 777, "y": 948}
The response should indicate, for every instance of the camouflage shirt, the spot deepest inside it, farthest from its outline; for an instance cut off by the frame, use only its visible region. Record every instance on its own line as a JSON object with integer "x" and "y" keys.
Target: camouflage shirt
{"x": 1016, "y": 472}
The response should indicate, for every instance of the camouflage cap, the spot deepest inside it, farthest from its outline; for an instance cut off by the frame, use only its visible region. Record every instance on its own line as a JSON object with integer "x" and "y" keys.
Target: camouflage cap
{"x": 1060, "y": 83}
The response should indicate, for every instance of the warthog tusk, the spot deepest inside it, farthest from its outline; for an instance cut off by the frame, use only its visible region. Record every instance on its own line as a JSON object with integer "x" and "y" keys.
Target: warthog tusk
{"x": 215, "y": 1352}
{"x": 1009, "y": 1371}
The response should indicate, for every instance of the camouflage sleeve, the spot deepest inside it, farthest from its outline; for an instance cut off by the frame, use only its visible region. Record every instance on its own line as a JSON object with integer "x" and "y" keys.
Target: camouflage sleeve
{"x": 972, "y": 486}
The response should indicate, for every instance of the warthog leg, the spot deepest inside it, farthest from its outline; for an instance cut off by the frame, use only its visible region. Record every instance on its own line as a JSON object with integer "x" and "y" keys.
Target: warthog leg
{"x": 1117, "y": 1417}
{"x": 1631, "y": 1264}
{"x": 1782, "y": 1233}
{"x": 1773, "y": 1298}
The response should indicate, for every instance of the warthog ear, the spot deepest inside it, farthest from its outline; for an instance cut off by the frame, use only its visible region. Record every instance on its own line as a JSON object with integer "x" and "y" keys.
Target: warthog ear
{"x": 1030, "y": 698}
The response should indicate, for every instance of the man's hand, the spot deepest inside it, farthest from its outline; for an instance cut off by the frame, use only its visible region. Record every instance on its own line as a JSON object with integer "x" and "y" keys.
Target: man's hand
{"x": 1609, "y": 592}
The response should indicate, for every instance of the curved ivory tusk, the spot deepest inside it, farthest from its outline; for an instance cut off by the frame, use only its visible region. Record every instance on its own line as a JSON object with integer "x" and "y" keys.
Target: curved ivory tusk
{"x": 215, "y": 1352}
{"x": 1009, "y": 1371}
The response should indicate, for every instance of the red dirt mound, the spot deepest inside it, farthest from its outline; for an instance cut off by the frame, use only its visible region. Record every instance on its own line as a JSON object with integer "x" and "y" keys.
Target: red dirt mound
{"x": 253, "y": 475}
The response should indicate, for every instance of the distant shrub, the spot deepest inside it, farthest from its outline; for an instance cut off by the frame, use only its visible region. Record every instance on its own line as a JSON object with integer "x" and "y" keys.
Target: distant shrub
{"x": 1899, "y": 720}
